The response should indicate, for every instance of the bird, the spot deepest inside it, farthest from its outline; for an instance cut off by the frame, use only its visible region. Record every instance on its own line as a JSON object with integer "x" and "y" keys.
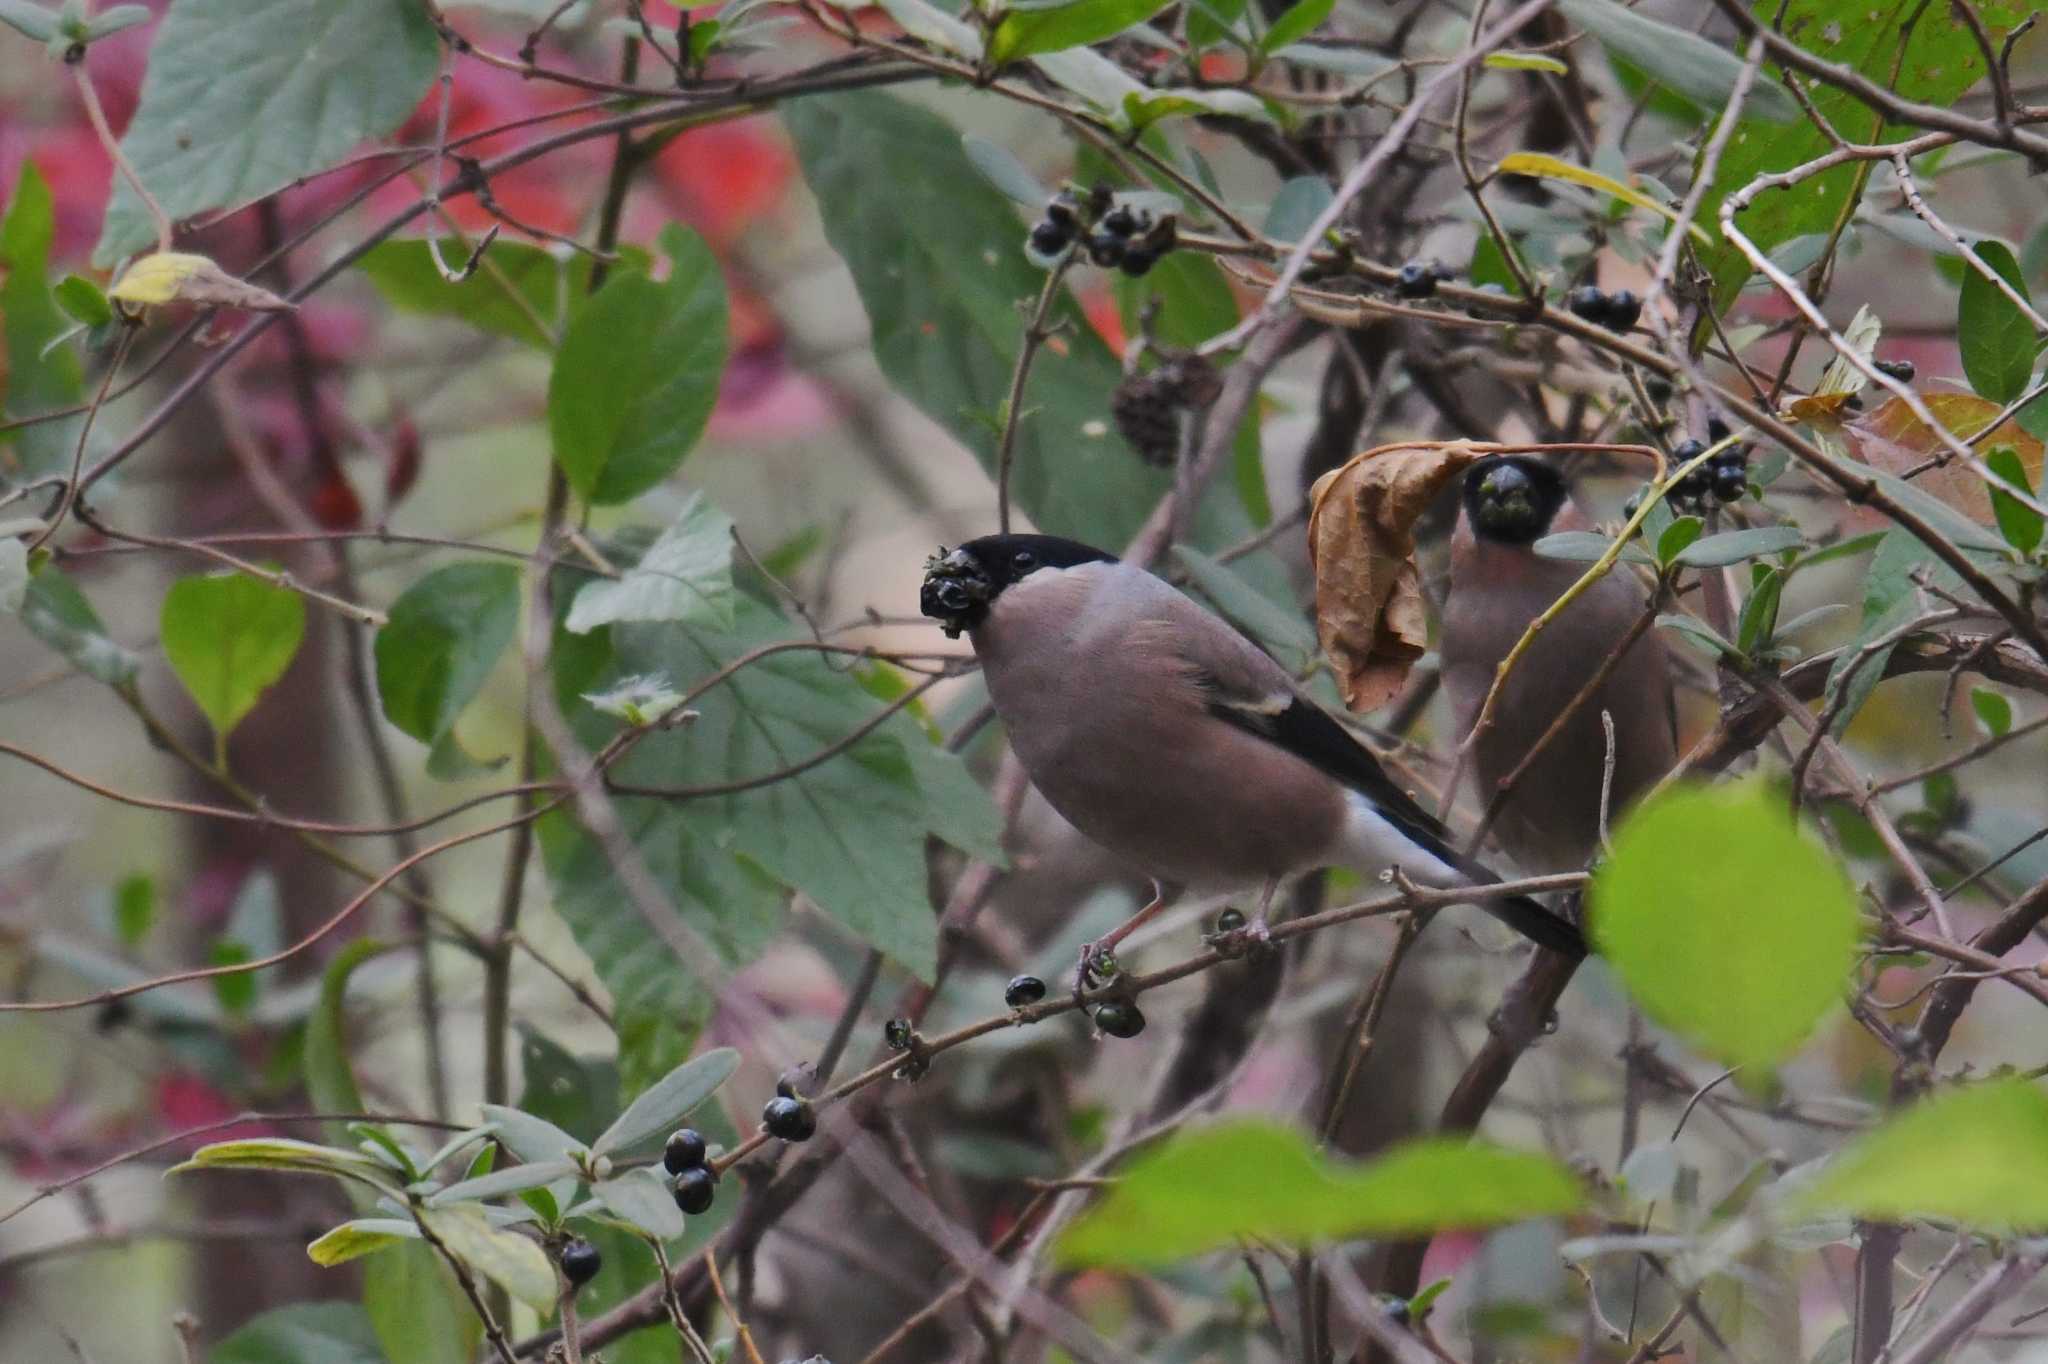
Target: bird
{"x": 1159, "y": 731}
{"x": 1550, "y": 821}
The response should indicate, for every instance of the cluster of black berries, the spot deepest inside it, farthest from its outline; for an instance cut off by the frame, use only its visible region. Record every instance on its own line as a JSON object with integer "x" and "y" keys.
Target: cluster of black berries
{"x": 1617, "y": 311}
{"x": 1117, "y": 236}
{"x": 1146, "y": 407}
{"x": 1902, "y": 370}
{"x": 788, "y": 1115}
{"x": 695, "y": 1182}
{"x": 1725, "y": 477}
{"x": 1418, "y": 279}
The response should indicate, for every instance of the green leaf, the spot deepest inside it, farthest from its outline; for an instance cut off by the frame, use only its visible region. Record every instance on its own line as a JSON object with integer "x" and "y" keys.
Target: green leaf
{"x": 58, "y": 614}
{"x": 114, "y": 18}
{"x": 135, "y": 907}
{"x": 1141, "y": 110}
{"x": 363, "y": 1236}
{"x": 2020, "y": 524}
{"x": 83, "y": 300}
{"x": 239, "y": 101}
{"x": 229, "y": 637}
{"x": 685, "y": 575}
{"x": 1996, "y": 337}
{"x": 642, "y": 1198}
{"x": 1994, "y": 711}
{"x": 1759, "y": 618}
{"x": 330, "y": 1083}
{"x": 1940, "y": 61}
{"x": 1733, "y": 546}
{"x": 417, "y": 1309}
{"x": 1977, "y": 1155}
{"x": 1209, "y": 21}
{"x": 942, "y": 293}
{"x": 442, "y": 641}
{"x": 1195, "y": 302}
{"x": 40, "y": 377}
{"x": 1299, "y": 20}
{"x": 511, "y": 1261}
{"x": 1296, "y": 207}
{"x": 289, "y": 1155}
{"x": 665, "y": 1102}
{"x": 638, "y": 372}
{"x": 521, "y": 291}
{"x": 1740, "y": 951}
{"x": 930, "y": 24}
{"x": 1585, "y": 546}
{"x": 530, "y": 1138}
{"x": 303, "y": 1333}
{"x": 1210, "y": 1186}
{"x": 1001, "y": 168}
{"x": 1701, "y": 71}
{"x": 512, "y": 1179}
{"x": 30, "y": 19}
{"x": 1025, "y": 33}
{"x": 1526, "y": 61}
{"x": 1682, "y": 532}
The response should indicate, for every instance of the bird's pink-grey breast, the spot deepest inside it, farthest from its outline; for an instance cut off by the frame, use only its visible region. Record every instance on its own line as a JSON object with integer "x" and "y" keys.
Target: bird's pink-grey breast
{"x": 1498, "y": 585}
{"x": 1162, "y": 733}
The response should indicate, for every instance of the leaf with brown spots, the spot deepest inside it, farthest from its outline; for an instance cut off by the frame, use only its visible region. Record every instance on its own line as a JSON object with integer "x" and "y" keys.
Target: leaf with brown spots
{"x": 1361, "y": 543}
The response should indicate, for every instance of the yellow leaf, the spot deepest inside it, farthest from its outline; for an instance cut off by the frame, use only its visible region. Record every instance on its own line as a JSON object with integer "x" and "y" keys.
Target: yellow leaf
{"x": 181, "y": 277}
{"x": 1551, "y": 168}
{"x": 1525, "y": 61}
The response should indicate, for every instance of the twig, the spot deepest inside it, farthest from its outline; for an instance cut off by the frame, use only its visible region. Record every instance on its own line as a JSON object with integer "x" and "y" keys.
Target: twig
{"x": 1036, "y": 334}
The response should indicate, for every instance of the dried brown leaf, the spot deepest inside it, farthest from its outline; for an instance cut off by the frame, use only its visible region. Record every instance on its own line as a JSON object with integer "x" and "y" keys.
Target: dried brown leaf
{"x": 1891, "y": 438}
{"x": 181, "y": 277}
{"x": 1361, "y": 543}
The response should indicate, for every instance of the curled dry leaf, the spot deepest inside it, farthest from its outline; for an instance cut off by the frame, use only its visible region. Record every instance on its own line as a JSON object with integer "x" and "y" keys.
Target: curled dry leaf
{"x": 1361, "y": 543}
{"x": 181, "y": 277}
{"x": 1891, "y": 438}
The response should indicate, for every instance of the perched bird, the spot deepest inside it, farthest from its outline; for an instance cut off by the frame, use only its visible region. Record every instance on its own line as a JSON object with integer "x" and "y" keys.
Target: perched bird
{"x": 1550, "y": 821}
{"x": 1159, "y": 731}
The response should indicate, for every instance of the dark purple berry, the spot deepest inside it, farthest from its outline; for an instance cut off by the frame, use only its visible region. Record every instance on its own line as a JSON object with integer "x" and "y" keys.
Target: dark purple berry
{"x": 789, "y": 1119}
{"x": 1023, "y": 990}
{"x": 1105, "y": 249}
{"x": 1731, "y": 483}
{"x": 1050, "y": 238}
{"x": 1587, "y": 302}
{"x": 1137, "y": 261}
{"x": 1416, "y": 281}
{"x": 580, "y": 1262}
{"x": 1061, "y": 212}
{"x": 685, "y": 1150}
{"x": 694, "y": 1190}
{"x": 1717, "y": 431}
{"x": 896, "y": 1034}
{"x": 1902, "y": 370}
{"x": 1688, "y": 450}
{"x": 1623, "y": 308}
{"x": 1120, "y": 221}
{"x": 1229, "y": 921}
{"x": 1119, "y": 1018}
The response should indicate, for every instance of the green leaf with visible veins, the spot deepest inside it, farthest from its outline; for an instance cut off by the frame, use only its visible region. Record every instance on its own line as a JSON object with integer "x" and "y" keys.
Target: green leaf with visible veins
{"x": 445, "y": 635}
{"x": 1996, "y": 337}
{"x": 1939, "y": 61}
{"x": 229, "y": 637}
{"x": 240, "y": 100}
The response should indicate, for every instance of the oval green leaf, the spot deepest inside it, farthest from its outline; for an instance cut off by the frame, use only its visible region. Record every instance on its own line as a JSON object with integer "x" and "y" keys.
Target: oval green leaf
{"x": 444, "y": 637}
{"x": 229, "y": 637}
{"x": 1025, "y": 33}
{"x": 1996, "y": 336}
{"x": 1729, "y": 926}
{"x": 667, "y": 1100}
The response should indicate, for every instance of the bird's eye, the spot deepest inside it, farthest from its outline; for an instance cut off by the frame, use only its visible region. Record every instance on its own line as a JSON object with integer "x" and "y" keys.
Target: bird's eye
{"x": 1024, "y": 558}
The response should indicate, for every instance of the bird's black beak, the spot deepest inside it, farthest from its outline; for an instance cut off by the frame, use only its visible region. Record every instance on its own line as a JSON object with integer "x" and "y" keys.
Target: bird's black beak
{"x": 956, "y": 591}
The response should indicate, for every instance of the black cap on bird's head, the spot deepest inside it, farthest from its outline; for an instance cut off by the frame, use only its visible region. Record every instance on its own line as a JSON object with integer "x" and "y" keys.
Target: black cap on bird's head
{"x": 1510, "y": 499}
{"x": 960, "y": 584}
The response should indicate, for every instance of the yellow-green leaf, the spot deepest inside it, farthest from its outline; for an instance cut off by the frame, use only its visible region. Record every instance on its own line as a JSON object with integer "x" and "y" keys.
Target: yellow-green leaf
{"x": 511, "y": 1261}
{"x": 1525, "y": 61}
{"x": 229, "y": 637}
{"x": 1553, "y": 168}
{"x": 364, "y": 1236}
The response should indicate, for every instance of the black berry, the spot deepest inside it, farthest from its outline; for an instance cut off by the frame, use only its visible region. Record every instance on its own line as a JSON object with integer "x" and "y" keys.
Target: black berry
{"x": 1024, "y": 990}
{"x": 580, "y": 1262}
{"x": 1120, "y": 221}
{"x": 1416, "y": 281}
{"x": 1902, "y": 370}
{"x": 1717, "y": 431}
{"x": 1049, "y": 238}
{"x": 1589, "y": 303}
{"x": 1688, "y": 450}
{"x": 1731, "y": 482}
{"x": 896, "y": 1034}
{"x": 685, "y": 1150}
{"x": 789, "y": 1119}
{"x": 1229, "y": 921}
{"x": 1060, "y": 213}
{"x": 1623, "y": 308}
{"x": 1137, "y": 261}
{"x": 1105, "y": 249}
{"x": 695, "y": 1189}
{"x": 1120, "y": 1018}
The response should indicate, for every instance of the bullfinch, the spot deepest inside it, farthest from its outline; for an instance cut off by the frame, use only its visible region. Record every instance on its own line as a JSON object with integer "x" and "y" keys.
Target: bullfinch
{"x": 1498, "y": 585}
{"x": 1163, "y": 734}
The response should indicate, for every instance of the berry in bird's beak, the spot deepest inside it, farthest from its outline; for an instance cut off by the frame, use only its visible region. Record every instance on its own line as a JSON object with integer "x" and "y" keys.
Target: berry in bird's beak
{"x": 956, "y": 591}
{"x": 1507, "y": 501}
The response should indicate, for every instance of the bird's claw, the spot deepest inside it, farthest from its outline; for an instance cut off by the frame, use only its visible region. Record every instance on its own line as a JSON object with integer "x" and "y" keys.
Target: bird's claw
{"x": 1246, "y": 939}
{"x": 1097, "y": 967}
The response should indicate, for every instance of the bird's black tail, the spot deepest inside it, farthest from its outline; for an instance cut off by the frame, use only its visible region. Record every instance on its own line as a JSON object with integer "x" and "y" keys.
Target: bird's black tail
{"x": 1538, "y": 924}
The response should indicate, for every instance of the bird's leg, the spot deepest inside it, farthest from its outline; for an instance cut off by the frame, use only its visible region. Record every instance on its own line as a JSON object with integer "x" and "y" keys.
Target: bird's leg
{"x": 1095, "y": 954}
{"x": 1256, "y": 932}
